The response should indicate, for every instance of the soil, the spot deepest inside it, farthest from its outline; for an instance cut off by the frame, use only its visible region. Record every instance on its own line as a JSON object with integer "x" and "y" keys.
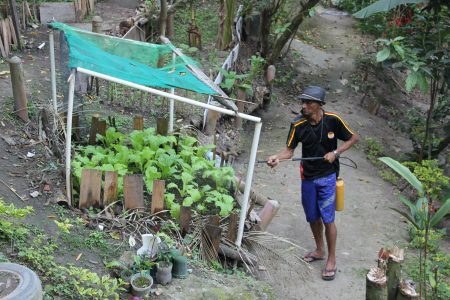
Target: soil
{"x": 367, "y": 222}
{"x": 8, "y": 283}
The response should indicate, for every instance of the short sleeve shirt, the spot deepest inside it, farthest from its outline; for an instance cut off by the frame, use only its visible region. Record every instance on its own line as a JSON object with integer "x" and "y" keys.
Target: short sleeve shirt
{"x": 317, "y": 140}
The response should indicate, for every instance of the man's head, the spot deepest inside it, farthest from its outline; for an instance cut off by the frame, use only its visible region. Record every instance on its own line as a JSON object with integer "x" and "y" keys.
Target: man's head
{"x": 313, "y": 97}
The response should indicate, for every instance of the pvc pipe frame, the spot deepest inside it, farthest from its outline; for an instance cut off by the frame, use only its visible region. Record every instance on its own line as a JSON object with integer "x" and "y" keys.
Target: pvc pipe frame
{"x": 252, "y": 160}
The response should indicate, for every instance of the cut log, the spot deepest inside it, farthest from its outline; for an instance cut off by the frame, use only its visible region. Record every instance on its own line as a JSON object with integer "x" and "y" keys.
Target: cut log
{"x": 139, "y": 122}
{"x": 234, "y": 254}
{"x": 18, "y": 87}
{"x": 407, "y": 290}
{"x": 258, "y": 198}
{"x": 159, "y": 187}
{"x": 90, "y": 188}
{"x": 110, "y": 187}
{"x": 376, "y": 284}
{"x": 94, "y": 129}
{"x": 162, "y": 126}
{"x": 185, "y": 219}
{"x": 268, "y": 213}
{"x": 101, "y": 127}
{"x": 394, "y": 269}
{"x": 133, "y": 190}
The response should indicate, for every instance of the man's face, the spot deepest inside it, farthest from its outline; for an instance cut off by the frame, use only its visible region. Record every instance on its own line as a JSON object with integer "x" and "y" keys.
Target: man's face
{"x": 309, "y": 108}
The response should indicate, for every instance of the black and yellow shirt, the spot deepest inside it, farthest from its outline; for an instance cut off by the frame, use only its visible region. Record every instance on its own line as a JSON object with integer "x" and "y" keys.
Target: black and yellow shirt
{"x": 317, "y": 140}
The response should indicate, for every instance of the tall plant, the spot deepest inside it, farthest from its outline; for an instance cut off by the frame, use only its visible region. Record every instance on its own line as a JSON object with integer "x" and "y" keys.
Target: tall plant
{"x": 420, "y": 215}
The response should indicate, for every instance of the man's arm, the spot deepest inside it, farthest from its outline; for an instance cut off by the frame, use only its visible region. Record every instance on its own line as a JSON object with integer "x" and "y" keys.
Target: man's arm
{"x": 274, "y": 160}
{"x": 331, "y": 156}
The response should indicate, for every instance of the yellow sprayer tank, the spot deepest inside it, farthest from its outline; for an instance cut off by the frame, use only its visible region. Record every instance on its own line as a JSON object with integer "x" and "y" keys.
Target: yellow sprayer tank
{"x": 339, "y": 194}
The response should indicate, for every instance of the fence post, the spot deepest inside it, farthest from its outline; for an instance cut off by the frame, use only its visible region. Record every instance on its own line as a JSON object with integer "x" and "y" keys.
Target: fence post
{"x": 18, "y": 87}
{"x": 97, "y": 24}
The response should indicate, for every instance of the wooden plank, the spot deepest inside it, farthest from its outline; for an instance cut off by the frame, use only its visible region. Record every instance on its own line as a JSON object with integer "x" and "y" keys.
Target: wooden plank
{"x": 214, "y": 220}
{"x": 91, "y": 184}
{"x": 185, "y": 219}
{"x": 5, "y": 30}
{"x": 101, "y": 129}
{"x": 2, "y": 48}
{"x": 139, "y": 122}
{"x": 232, "y": 227}
{"x": 15, "y": 24}
{"x": 214, "y": 233}
{"x": 159, "y": 187}
{"x": 110, "y": 188}
{"x": 162, "y": 126}
{"x": 133, "y": 190}
{"x": 94, "y": 129}
{"x": 13, "y": 32}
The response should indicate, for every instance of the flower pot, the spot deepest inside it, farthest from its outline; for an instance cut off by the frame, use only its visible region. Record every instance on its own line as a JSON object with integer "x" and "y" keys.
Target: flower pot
{"x": 150, "y": 245}
{"x": 164, "y": 273}
{"x": 125, "y": 275}
{"x": 179, "y": 269}
{"x": 141, "y": 284}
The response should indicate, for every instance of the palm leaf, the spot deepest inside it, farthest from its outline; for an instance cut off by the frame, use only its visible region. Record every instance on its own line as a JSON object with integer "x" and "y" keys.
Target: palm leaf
{"x": 404, "y": 172}
{"x": 408, "y": 217}
{"x": 408, "y": 203}
{"x": 441, "y": 213}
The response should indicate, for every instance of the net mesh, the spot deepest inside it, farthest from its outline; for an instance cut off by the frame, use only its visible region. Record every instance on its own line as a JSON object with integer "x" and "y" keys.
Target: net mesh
{"x": 142, "y": 63}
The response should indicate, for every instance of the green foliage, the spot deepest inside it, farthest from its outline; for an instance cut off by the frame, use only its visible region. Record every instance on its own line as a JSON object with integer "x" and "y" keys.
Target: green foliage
{"x": 179, "y": 161}
{"x": 418, "y": 238}
{"x": 431, "y": 176}
{"x": 374, "y": 148}
{"x": 9, "y": 229}
{"x": 257, "y": 66}
{"x": 232, "y": 80}
{"x": 64, "y": 226}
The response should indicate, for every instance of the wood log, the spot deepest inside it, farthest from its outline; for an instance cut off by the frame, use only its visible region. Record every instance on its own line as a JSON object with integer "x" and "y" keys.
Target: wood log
{"x": 258, "y": 198}
{"x": 394, "y": 269}
{"x": 101, "y": 129}
{"x": 232, "y": 227}
{"x": 268, "y": 213}
{"x": 110, "y": 188}
{"x": 407, "y": 290}
{"x": 90, "y": 188}
{"x": 18, "y": 87}
{"x": 2, "y": 48}
{"x": 94, "y": 129}
{"x": 133, "y": 190}
{"x": 234, "y": 254}
{"x": 185, "y": 219}
{"x": 376, "y": 284}
{"x": 159, "y": 187}
{"x": 162, "y": 126}
{"x": 139, "y": 122}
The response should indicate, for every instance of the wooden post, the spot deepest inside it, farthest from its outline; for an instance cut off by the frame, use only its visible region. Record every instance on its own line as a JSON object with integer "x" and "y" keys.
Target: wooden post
{"x": 101, "y": 129}
{"x": 211, "y": 122}
{"x": 162, "y": 126}
{"x": 241, "y": 95}
{"x": 376, "y": 284}
{"x": 185, "y": 219}
{"x": 76, "y": 127}
{"x": 97, "y": 24}
{"x": 15, "y": 21}
{"x": 394, "y": 269}
{"x": 110, "y": 188}
{"x": 214, "y": 233}
{"x": 94, "y": 129}
{"x": 159, "y": 187}
{"x": 407, "y": 290}
{"x": 232, "y": 227}
{"x": 139, "y": 122}
{"x": 18, "y": 87}
{"x": 91, "y": 184}
{"x": 133, "y": 190}
{"x": 268, "y": 213}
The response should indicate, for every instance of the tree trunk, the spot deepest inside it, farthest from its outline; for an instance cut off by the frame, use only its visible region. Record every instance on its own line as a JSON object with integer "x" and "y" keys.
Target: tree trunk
{"x": 376, "y": 287}
{"x": 265, "y": 25}
{"x": 292, "y": 28}
{"x": 163, "y": 18}
{"x": 219, "y": 41}
{"x": 433, "y": 94}
{"x": 394, "y": 269}
{"x": 230, "y": 7}
{"x": 170, "y": 27}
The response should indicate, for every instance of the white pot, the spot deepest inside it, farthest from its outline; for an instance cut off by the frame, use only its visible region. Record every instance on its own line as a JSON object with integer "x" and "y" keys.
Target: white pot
{"x": 150, "y": 245}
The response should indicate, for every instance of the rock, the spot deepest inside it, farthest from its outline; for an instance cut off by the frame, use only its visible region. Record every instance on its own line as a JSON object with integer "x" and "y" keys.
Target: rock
{"x": 127, "y": 258}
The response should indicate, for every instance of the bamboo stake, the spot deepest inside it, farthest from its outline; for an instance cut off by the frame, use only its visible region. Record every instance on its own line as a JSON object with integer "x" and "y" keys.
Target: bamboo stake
{"x": 394, "y": 269}
{"x": 407, "y": 290}
{"x": 376, "y": 287}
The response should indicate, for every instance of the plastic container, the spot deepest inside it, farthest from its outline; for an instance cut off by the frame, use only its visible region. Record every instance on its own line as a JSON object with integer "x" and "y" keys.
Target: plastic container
{"x": 339, "y": 194}
{"x": 179, "y": 269}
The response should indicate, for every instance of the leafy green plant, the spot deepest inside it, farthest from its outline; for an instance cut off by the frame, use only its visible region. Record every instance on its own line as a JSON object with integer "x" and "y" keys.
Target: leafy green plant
{"x": 64, "y": 226}
{"x": 10, "y": 230}
{"x": 374, "y": 149}
{"x": 233, "y": 81}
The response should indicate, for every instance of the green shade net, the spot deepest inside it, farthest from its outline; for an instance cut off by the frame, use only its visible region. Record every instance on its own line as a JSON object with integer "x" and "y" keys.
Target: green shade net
{"x": 131, "y": 60}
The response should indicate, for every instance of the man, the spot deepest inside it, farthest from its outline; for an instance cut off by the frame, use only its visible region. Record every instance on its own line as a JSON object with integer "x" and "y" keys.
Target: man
{"x": 318, "y": 131}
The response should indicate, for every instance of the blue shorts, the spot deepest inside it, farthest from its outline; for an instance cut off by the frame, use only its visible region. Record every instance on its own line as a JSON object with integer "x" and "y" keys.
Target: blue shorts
{"x": 319, "y": 198}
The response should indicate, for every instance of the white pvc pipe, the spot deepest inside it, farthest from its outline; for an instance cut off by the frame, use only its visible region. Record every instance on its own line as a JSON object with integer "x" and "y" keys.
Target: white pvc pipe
{"x": 171, "y": 101}
{"x": 69, "y": 135}
{"x": 170, "y": 96}
{"x": 248, "y": 183}
{"x": 53, "y": 71}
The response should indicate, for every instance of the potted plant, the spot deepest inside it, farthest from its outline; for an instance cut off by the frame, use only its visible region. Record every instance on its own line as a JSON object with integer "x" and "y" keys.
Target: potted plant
{"x": 164, "y": 267}
{"x": 141, "y": 284}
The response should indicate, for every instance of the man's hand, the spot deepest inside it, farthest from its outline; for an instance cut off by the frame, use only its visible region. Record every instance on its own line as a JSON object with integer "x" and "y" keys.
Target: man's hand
{"x": 330, "y": 157}
{"x": 273, "y": 161}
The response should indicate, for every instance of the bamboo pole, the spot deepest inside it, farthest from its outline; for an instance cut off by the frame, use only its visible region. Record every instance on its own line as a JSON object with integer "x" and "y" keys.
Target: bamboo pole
{"x": 394, "y": 269}
{"x": 69, "y": 135}
{"x": 407, "y": 290}
{"x": 376, "y": 284}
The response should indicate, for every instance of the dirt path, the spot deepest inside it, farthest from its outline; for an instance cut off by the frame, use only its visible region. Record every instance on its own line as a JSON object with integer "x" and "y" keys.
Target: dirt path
{"x": 367, "y": 223}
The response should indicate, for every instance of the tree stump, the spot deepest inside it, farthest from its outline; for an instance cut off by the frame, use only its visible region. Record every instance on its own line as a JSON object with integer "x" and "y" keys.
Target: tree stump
{"x": 376, "y": 284}
{"x": 407, "y": 290}
{"x": 394, "y": 269}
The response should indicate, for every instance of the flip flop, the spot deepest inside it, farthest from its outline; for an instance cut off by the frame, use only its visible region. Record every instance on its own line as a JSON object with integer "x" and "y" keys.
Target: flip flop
{"x": 310, "y": 258}
{"x": 328, "y": 277}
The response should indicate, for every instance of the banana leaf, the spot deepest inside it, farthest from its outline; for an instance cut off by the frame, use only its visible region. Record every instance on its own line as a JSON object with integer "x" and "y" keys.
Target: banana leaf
{"x": 383, "y": 6}
{"x": 441, "y": 213}
{"x": 404, "y": 172}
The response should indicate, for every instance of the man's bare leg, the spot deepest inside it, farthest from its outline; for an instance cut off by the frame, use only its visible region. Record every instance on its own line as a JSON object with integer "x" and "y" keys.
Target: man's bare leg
{"x": 331, "y": 235}
{"x": 317, "y": 230}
